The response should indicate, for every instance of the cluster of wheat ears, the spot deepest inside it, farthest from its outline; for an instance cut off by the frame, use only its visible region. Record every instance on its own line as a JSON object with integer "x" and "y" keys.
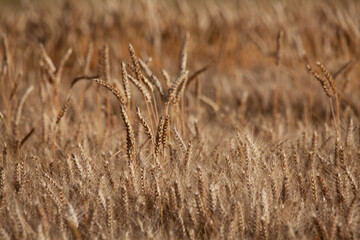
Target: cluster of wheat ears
{"x": 251, "y": 132}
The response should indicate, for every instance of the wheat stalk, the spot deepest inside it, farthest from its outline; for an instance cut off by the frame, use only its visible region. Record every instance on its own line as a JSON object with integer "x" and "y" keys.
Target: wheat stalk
{"x": 63, "y": 109}
{"x": 183, "y": 54}
{"x": 144, "y": 124}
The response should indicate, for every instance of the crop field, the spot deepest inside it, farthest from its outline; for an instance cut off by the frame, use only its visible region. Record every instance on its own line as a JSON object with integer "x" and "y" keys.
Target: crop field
{"x": 180, "y": 119}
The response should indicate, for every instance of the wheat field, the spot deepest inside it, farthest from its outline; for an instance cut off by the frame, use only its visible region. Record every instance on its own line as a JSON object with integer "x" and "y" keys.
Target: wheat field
{"x": 180, "y": 119}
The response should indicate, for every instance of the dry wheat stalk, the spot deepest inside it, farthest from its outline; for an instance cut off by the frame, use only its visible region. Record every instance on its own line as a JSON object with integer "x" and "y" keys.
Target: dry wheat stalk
{"x": 110, "y": 217}
{"x": 105, "y": 84}
{"x": 320, "y": 228}
{"x": 165, "y": 131}
{"x": 4, "y": 122}
{"x": 167, "y": 78}
{"x": 173, "y": 91}
{"x": 103, "y": 68}
{"x": 47, "y": 59}
{"x": 212, "y": 199}
{"x": 323, "y": 187}
{"x": 2, "y": 180}
{"x": 124, "y": 204}
{"x": 148, "y": 84}
{"x": 313, "y": 187}
{"x": 139, "y": 76}
{"x": 209, "y": 103}
{"x": 352, "y": 181}
{"x": 321, "y": 80}
{"x": 130, "y": 137}
{"x": 135, "y": 63}
{"x": 181, "y": 91}
{"x": 339, "y": 188}
{"x": 178, "y": 194}
{"x": 179, "y": 139}
{"x": 74, "y": 229}
{"x": 20, "y": 107}
{"x": 154, "y": 79}
{"x": 187, "y": 156}
{"x": 109, "y": 173}
{"x": 6, "y": 59}
{"x": 200, "y": 208}
{"x": 341, "y": 156}
{"x": 301, "y": 186}
{"x": 141, "y": 88}
{"x": 196, "y": 74}
{"x": 57, "y": 187}
{"x": 328, "y": 77}
{"x": 278, "y": 47}
{"x": 63, "y": 109}
{"x": 144, "y": 124}
{"x": 47, "y": 64}
{"x": 350, "y": 134}
{"x": 158, "y": 139}
{"x": 60, "y": 68}
{"x": 106, "y": 60}
{"x": 26, "y": 137}
{"x": 183, "y": 54}
{"x": 125, "y": 81}
{"x": 201, "y": 184}
{"x": 78, "y": 166}
{"x": 45, "y": 226}
{"x": 87, "y": 62}
{"x": 142, "y": 180}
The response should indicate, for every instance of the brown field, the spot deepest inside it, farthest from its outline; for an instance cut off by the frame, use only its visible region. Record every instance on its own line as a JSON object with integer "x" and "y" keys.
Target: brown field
{"x": 180, "y": 119}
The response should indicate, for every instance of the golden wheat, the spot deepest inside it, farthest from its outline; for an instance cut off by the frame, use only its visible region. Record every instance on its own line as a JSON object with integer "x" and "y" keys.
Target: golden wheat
{"x": 222, "y": 135}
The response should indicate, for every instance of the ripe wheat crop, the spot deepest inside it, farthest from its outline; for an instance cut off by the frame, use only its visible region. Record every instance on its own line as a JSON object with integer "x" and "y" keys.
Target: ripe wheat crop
{"x": 180, "y": 119}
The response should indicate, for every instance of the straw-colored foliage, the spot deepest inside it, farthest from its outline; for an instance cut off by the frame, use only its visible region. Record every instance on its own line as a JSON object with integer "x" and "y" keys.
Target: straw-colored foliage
{"x": 180, "y": 119}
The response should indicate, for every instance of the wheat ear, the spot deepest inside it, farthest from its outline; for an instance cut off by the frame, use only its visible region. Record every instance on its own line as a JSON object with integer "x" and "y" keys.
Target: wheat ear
{"x": 144, "y": 124}
{"x": 103, "y": 83}
{"x": 63, "y": 109}
{"x": 141, "y": 88}
{"x": 89, "y": 53}
{"x": 130, "y": 137}
{"x": 125, "y": 81}
{"x": 183, "y": 54}
{"x": 173, "y": 91}
{"x": 47, "y": 64}
{"x": 60, "y": 68}
{"x": 20, "y": 107}
{"x": 321, "y": 80}
{"x": 153, "y": 78}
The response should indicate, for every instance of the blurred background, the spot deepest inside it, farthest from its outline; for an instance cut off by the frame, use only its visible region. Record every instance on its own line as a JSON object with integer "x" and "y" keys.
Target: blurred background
{"x": 236, "y": 39}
